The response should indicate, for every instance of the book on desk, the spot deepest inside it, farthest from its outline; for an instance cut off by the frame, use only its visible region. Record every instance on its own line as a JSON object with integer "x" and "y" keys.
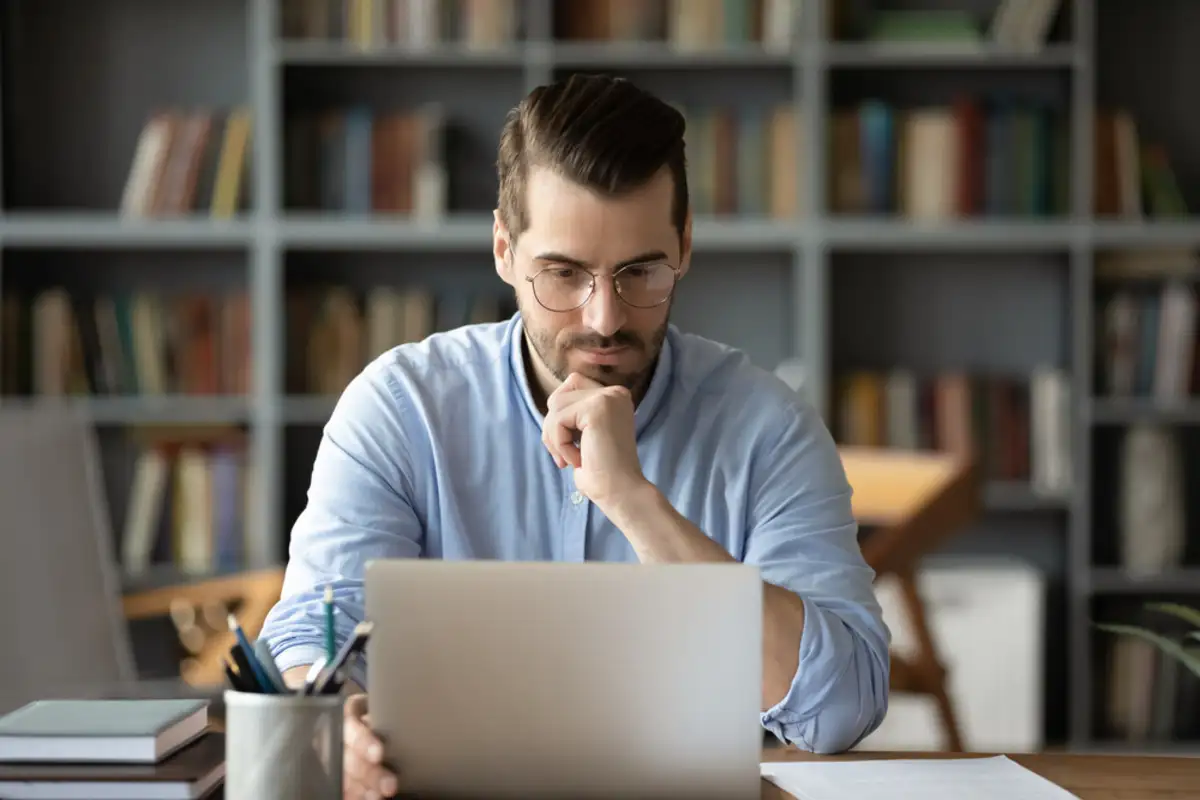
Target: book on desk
{"x": 74, "y": 748}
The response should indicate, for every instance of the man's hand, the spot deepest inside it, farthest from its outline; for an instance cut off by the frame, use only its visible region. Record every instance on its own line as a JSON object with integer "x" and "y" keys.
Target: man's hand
{"x": 590, "y": 426}
{"x": 363, "y": 773}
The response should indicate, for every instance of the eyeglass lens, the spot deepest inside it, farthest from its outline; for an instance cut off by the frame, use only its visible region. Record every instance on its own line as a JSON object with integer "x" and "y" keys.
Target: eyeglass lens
{"x": 568, "y": 287}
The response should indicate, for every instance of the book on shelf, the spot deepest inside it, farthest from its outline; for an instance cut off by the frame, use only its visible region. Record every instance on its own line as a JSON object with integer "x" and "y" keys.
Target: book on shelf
{"x": 333, "y": 331}
{"x": 141, "y": 342}
{"x": 1017, "y": 429}
{"x": 682, "y": 24}
{"x": 188, "y": 161}
{"x": 361, "y": 160}
{"x": 368, "y": 24}
{"x": 744, "y": 161}
{"x": 987, "y": 156}
{"x": 1148, "y": 696}
{"x": 189, "y": 504}
{"x": 1145, "y": 342}
{"x": 1133, "y": 174}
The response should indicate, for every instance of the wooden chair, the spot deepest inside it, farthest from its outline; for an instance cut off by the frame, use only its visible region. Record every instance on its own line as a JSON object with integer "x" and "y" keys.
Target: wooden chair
{"x": 913, "y": 502}
{"x": 250, "y": 594}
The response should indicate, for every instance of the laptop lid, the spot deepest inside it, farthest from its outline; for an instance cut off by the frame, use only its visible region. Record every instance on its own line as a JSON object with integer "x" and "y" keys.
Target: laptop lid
{"x": 505, "y": 679}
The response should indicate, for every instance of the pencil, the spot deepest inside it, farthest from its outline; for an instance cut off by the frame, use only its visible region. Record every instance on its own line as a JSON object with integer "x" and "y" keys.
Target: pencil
{"x": 330, "y": 647}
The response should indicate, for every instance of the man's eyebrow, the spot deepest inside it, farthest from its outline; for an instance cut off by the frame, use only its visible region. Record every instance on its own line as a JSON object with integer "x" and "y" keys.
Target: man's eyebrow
{"x": 648, "y": 257}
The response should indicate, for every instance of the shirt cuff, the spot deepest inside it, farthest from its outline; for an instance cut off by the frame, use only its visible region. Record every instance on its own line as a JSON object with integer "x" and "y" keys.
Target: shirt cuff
{"x": 304, "y": 655}
{"x": 818, "y": 671}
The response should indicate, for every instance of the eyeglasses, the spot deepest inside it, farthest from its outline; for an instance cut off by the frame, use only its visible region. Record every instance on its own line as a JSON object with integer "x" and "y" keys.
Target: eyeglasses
{"x": 566, "y": 287}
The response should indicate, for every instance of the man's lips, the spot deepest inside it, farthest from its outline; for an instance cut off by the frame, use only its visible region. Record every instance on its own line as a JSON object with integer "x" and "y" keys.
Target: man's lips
{"x": 604, "y": 355}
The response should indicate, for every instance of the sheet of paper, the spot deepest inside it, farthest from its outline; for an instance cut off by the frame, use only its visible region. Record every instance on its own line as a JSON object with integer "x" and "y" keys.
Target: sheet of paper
{"x": 988, "y": 778}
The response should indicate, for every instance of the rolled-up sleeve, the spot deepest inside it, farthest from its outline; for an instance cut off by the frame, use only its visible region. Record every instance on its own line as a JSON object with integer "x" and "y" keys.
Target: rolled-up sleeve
{"x": 804, "y": 538}
{"x": 359, "y": 508}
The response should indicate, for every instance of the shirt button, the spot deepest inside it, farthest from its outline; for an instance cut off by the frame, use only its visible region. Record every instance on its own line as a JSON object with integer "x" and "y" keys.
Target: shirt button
{"x": 576, "y": 498}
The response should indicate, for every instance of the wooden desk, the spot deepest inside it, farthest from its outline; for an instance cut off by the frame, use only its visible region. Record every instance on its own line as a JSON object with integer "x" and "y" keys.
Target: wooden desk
{"x": 1090, "y": 777}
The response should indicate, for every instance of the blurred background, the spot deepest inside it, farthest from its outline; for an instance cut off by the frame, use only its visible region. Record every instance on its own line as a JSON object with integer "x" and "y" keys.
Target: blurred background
{"x": 959, "y": 227}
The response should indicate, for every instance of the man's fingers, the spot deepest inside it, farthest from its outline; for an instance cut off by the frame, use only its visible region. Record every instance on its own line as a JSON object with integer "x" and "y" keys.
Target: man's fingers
{"x": 558, "y": 434}
{"x": 355, "y": 706}
{"x": 566, "y": 392}
{"x": 362, "y": 741}
{"x": 364, "y": 760}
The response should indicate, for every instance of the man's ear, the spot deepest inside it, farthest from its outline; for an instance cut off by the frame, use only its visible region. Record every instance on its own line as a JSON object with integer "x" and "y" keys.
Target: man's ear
{"x": 685, "y": 245}
{"x": 501, "y": 249}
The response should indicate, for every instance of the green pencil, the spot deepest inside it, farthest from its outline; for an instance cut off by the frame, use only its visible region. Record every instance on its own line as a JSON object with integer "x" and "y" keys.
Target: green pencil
{"x": 330, "y": 647}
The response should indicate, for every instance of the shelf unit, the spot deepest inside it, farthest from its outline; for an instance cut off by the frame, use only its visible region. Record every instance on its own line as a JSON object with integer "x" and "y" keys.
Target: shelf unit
{"x": 779, "y": 288}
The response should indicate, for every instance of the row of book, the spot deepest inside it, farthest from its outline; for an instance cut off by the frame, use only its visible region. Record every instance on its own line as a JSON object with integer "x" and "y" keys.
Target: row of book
{"x": 976, "y": 157}
{"x": 56, "y": 343}
{"x": 1149, "y": 697}
{"x": 744, "y": 161}
{"x": 1145, "y": 345}
{"x": 1017, "y": 428}
{"x": 361, "y": 160}
{"x": 189, "y": 506}
{"x": 186, "y": 161}
{"x": 1133, "y": 174}
{"x": 333, "y": 331}
{"x": 367, "y": 24}
{"x": 684, "y": 24}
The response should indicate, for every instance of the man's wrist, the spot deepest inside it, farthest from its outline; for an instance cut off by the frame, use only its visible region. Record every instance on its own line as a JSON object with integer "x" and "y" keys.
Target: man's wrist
{"x": 632, "y": 507}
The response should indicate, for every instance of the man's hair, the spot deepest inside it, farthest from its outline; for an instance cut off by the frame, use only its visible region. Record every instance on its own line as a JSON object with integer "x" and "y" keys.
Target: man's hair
{"x": 601, "y": 132}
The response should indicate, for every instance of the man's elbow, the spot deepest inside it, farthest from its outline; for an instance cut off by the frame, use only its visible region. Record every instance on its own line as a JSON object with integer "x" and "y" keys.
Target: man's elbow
{"x": 852, "y": 708}
{"x": 834, "y": 729}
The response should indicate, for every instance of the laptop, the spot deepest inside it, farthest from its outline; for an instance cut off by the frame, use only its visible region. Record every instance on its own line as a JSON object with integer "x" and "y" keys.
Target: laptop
{"x": 533, "y": 679}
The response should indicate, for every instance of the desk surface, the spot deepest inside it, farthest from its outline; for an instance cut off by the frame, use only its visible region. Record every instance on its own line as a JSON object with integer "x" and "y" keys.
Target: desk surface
{"x": 1090, "y": 777}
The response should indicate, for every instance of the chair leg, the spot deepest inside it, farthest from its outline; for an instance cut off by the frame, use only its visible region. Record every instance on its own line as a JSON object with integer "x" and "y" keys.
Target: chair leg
{"x": 932, "y": 671}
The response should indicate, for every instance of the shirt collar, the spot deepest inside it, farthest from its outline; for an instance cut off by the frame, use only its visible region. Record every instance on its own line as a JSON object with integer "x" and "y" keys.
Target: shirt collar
{"x": 656, "y": 393}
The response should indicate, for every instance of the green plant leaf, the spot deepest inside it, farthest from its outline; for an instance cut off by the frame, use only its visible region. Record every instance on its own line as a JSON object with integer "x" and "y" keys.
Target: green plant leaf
{"x": 1189, "y": 615}
{"x": 1169, "y": 646}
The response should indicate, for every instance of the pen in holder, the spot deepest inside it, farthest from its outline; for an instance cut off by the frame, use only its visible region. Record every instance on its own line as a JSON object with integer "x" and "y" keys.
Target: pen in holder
{"x": 285, "y": 745}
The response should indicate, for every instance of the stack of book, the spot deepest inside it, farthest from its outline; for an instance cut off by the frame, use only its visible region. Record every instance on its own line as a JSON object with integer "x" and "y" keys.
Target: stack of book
{"x": 147, "y": 749}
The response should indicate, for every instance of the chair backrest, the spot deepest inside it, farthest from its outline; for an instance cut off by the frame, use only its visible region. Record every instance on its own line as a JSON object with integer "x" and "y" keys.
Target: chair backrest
{"x": 913, "y": 501}
{"x": 61, "y": 623}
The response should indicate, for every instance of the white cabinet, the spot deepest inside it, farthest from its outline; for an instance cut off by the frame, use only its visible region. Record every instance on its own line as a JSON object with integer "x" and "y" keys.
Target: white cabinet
{"x": 986, "y": 619}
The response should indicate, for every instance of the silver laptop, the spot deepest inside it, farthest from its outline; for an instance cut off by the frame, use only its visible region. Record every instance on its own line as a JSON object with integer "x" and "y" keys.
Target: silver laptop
{"x": 517, "y": 679}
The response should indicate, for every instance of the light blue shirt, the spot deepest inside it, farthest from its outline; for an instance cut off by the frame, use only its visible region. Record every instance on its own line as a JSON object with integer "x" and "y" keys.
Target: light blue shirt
{"x": 435, "y": 451}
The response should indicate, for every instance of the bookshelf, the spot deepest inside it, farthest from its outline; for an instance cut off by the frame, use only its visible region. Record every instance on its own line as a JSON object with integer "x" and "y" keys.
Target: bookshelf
{"x": 841, "y": 281}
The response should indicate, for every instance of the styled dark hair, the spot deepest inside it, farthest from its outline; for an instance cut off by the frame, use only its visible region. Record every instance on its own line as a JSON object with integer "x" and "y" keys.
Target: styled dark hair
{"x": 601, "y": 132}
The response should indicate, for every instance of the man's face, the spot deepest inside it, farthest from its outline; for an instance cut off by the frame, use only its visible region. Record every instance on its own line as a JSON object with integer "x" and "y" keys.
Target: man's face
{"x": 572, "y": 232}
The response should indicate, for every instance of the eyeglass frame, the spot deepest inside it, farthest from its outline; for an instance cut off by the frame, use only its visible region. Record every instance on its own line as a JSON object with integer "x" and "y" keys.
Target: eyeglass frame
{"x": 613, "y": 278}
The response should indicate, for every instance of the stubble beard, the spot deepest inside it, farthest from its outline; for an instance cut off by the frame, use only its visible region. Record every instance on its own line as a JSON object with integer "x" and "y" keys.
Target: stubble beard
{"x": 555, "y": 355}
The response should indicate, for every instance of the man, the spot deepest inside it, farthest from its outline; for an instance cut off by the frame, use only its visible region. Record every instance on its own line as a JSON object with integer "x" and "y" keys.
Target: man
{"x": 588, "y": 428}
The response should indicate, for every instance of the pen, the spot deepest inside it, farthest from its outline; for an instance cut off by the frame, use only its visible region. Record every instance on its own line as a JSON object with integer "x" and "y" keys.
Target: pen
{"x": 245, "y": 672}
{"x": 263, "y": 653}
{"x": 235, "y": 680}
{"x": 329, "y": 640}
{"x": 252, "y": 666}
{"x": 353, "y": 646}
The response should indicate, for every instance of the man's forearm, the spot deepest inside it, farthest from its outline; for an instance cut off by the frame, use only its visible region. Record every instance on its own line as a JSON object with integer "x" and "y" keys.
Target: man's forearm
{"x": 660, "y": 534}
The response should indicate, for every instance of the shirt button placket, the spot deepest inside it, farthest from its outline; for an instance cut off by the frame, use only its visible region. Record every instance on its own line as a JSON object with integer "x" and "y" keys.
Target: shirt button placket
{"x": 575, "y": 516}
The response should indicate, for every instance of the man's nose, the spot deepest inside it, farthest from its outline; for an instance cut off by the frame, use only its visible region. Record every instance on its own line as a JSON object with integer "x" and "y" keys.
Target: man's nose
{"x": 605, "y": 311}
